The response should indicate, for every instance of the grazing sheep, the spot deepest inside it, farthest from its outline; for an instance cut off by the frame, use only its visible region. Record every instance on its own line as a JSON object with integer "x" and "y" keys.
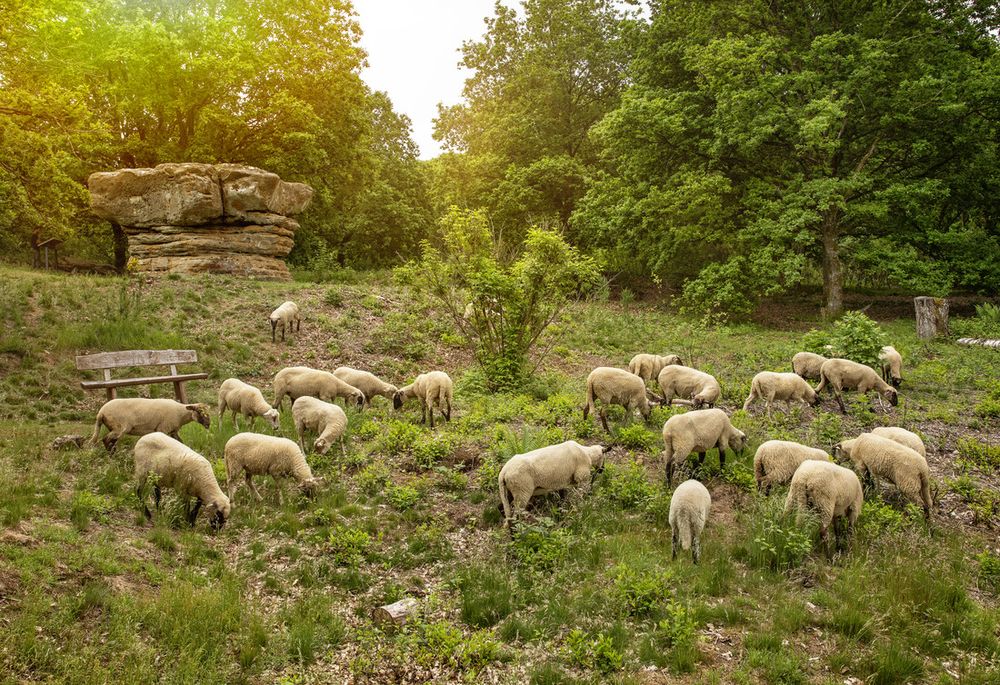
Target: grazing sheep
{"x": 784, "y": 387}
{"x": 253, "y": 454}
{"x": 775, "y": 462}
{"x": 175, "y": 465}
{"x": 699, "y": 431}
{"x": 140, "y": 416}
{"x": 296, "y": 381}
{"x": 247, "y": 400}
{"x": 548, "y": 469}
{"x": 843, "y": 374}
{"x": 874, "y": 457}
{"x": 328, "y": 420}
{"x": 689, "y": 384}
{"x": 648, "y": 366}
{"x": 689, "y": 508}
{"x": 892, "y": 365}
{"x": 368, "y": 383}
{"x": 615, "y": 386}
{"x": 434, "y": 387}
{"x": 903, "y": 437}
{"x": 808, "y": 364}
{"x": 831, "y": 490}
{"x": 288, "y": 316}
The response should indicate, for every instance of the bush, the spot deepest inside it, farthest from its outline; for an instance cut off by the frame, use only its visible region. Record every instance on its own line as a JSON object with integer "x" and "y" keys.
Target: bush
{"x": 635, "y": 436}
{"x": 986, "y": 323}
{"x": 989, "y": 569}
{"x": 854, "y": 336}
{"x": 348, "y": 546}
{"x": 540, "y": 546}
{"x": 597, "y": 652}
{"x": 638, "y": 593}
{"x": 431, "y": 450}
{"x": 983, "y": 455}
{"x": 778, "y": 543}
{"x": 627, "y": 485}
{"x": 402, "y": 497}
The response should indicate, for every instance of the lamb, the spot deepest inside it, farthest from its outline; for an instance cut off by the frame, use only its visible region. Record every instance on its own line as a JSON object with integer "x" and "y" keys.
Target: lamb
{"x": 140, "y": 416}
{"x": 615, "y": 386}
{"x": 175, "y": 465}
{"x": 328, "y": 420}
{"x": 808, "y": 364}
{"x": 892, "y": 364}
{"x": 843, "y": 374}
{"x": 775, "y": 462}
{"x": 784, "y": 387}
{"x": 874, "y": 456}
{"x": 548, "y": 469}
{"x": 368, "y": 383}
{"x": 432, "y": 388}
{"x": 288, "y": 316}
{"x": 699, "y": 431}
{"x": 246, "y": 400}
{"x": 253, "y": 454}
{"x": 689, "y": 508}
{"x": 648, "y": 366}
{"x": 296, "y": 381}
{"x": 832, "y": 490}
{"x": 903, "y": 437}
{"x": 700, "y": 388}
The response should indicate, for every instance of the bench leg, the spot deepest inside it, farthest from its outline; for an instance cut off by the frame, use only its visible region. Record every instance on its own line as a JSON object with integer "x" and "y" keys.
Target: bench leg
{"x": 179, "y": 392}
{"x": 111, "y": 393}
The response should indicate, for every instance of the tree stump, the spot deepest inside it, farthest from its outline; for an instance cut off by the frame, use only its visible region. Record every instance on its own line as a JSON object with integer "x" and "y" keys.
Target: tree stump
{"x": 397, "y": 613}
{"x": 932, "y": 317}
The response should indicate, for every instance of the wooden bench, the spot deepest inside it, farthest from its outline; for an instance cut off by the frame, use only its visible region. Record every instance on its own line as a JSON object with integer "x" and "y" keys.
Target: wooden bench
{"x": 105, "y": 361}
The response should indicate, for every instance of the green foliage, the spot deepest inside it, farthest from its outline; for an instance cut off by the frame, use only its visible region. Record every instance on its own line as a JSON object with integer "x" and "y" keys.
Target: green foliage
{"x": 985, "y": 324}
{"x": 594, "y": 652}
{"x": 627, "y": 485}
{"x": 989, "y": 569}
{"x": 640, "y": 591}
{"x": 777, "y": 542}
{"x": 487, "y": 596}
{"x": 858, "y": 338}
{"x": 636, "y": 436}
{"x": 539, "y": 546}
{"x": 402, "y": 497}
{"x": 983, "y": 455}
{"x": 349, "y": 546}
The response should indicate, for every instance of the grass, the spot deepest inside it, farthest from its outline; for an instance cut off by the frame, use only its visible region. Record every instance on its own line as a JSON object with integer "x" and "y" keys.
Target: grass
{"x": 583, "y": 592}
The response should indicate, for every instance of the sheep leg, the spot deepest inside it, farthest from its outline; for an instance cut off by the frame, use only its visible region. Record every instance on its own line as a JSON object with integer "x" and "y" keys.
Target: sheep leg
{"x": 140, "y": 492}
{"x": 604, "y": 419}
{"x": 675, "y": 542}
{"x": 430, "y": 410}
{"x": 273, "y": 326}
{"x": 670, "y": 472}
{"x": 840, "y": 400}
{"x": 157, "y": 495}
{"x": 193, "y": 515}
{"x": 111, "y": 441}
{"x": 722, "y": 457}
{"x": 423, "y": 413}
{"x": 695, "y": 549}
{"x": 824, "y": 536}
{"x": 282, "y": 331}
{"x": 343, "y": 448}
{"x": 253, "y": 488}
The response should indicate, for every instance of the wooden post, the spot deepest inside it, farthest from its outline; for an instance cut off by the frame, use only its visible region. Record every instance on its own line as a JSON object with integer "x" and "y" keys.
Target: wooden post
{"x": 110, "y": 391}
{"x": 932, "y": 317}
{"x": 179, "y": 393}
{"x": 395, "y": 614}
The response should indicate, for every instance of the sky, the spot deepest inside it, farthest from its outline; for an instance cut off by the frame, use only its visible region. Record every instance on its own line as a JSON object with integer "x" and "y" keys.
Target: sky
{"x": 413, "y": 53}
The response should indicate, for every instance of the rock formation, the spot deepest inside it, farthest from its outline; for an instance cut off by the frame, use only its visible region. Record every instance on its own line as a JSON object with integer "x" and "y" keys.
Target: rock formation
{"x": 195, "y": 218}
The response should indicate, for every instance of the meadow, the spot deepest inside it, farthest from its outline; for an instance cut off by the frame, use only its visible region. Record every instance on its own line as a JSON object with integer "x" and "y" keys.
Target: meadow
{"x": 584, "y": 592}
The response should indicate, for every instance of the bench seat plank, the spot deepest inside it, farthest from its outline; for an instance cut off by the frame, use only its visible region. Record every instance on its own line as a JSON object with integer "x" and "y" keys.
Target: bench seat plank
{"x": 115, "y": 360}
{"x": 120, "y": 382}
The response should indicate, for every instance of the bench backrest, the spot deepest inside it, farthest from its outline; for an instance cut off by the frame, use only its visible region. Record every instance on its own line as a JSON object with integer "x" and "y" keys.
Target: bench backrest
{"x": 114, "y": 360}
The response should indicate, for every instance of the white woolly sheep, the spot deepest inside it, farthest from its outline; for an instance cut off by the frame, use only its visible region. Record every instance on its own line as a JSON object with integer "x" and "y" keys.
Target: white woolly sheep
{"x": 689, "y": 509}
{"x": 432, "y": 388}
{"x": 833, "y": 491}
{"x": 328, "y": 420}
{"x": 368, "y": 383}
{"x": 874, "y": 457}
{"x": 699, "y": 431}
{"x": 174, "y": 465}
{"x": 616, "y": 386}
{"x": 808, "y": 364}
{"x": 648, "y": 366}
{"x": 843, "y": 374}
{"x": 287, "y": 314}
{"x": 296, "y": 381}
{"x": 140, "y": 416}
{"x": 246, "y": 400}
{"x": 775, "y": 462}
{"x": 254, "y": 454}
{"x": 548, "y": 469}
{"x": 903, "y": 437}
{"x": 892, "y": 365}
{"x": 781, "y": 387}
{"x": 700, "y": 388}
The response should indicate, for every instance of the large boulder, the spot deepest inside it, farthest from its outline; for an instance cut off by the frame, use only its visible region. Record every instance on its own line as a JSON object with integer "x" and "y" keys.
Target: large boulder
{"x": 175, "y": 194}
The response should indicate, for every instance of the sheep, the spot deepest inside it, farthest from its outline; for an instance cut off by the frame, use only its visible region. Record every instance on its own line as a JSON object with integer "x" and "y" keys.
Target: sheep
{"x": 368, "y": 383}
{"x": 903, "y": 437}
{"x": 892, "y": 364}
{"x": 175, "y": 465}
{"x": 808, "y": 364}
{"x": 697, "y": 387}
{"x": 247, "y": 400}
{"x": 699, "y": 431}
{"x": 785, "y": 387}
{"x": 615, "y": 386}
{"x": 843, "y": 374}
{"x": 833, "y": 491}
{"x": 140, "y": 416}
{"x": 875, "y": 456}
{"x": 648, "y": 366}
{"x": 328, "y": 420}
{"x": 254, "y": 454}
{"x": 434, "y": 387}
{"x": 288, "y": 316}
{"x": 548, "y": 469}
{"x": 296, "y": 381}
{"x": 775, "y": 462}
{"x": 689, "y": 509}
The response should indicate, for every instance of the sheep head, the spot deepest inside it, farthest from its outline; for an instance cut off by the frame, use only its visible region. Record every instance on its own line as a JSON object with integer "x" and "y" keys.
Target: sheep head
{"x": 310, "y": 486}
{"x": 738, "y": 442}
{"x": 673, "y": 360}
{"x": 218, "y": 513}
{"x": 201, "y": 414}
{"x": 359, "y": 399}
{"x": 397, "y": 399}
{"x": 321, "y": 446}
{"x": 892, "y": 396}
{"x": 271, "y": 416}
{"x": 814, "y": 398}
{"x": 843, "y": 449}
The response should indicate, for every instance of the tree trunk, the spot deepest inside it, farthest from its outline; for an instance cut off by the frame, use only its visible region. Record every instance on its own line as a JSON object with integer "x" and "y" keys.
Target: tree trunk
{"x": 833, "y": 275}
{"x": 121, "y": 247}
{"x": 932, "y": 317}
{"x": 397, "y": 613}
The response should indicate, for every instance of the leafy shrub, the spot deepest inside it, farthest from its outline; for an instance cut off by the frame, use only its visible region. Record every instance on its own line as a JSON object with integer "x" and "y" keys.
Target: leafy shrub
{"x": 983, "y": 455}
{"x": 778, "y": 543}
{"x": 372, "y": 478}
{"x": 348, "y": 546}
{"x": 540, "y": 546}
{"x": 597, "y": 652}
{"x": 637, "y": 592}
{"x": 402, "y": 497}
{"x": 441, "y": 642}
{"x": 627, "y": 485}
{"x": 87, "y": 506}
{"x": 878, "y": 518}
{"x": 985, "y": 324}
{"x": 854, "y": 336}
{"x": 333, "y": 297}
{"x": 399, "y": 438}
{"x": 635, "y": 436}
{"x": 826, "y": 429}
{"x": 989, "y": 569}
{"x": 431, "y": 450}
